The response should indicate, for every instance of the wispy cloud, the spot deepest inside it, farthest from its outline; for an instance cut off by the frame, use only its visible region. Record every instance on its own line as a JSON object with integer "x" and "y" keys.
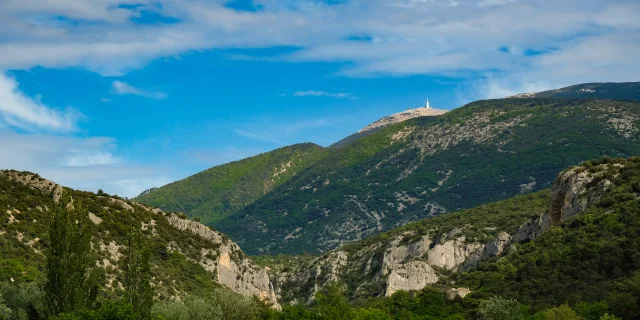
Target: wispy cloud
{"x": 315, "y": 93}
{"x": 280, "y": 133}
{"x": 19, "y": 110}
{"x": 123, "y": 88}
{"x": 259, "y": 137}
{"x": 82, "y": 163}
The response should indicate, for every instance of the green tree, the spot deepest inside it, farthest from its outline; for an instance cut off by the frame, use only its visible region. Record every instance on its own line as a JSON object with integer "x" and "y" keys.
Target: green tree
{"x": 332, "y": 304}
{"x": 70, "y": 284}
{"x": 563, "y": 312}
{"x": 137, "y": 274}
{"x": 5, "y": 312}
{"x": 498, "y": 308}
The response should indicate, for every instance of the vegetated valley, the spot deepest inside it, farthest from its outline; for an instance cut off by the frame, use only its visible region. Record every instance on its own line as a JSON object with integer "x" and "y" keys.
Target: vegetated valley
{"x": 519, "y": 208}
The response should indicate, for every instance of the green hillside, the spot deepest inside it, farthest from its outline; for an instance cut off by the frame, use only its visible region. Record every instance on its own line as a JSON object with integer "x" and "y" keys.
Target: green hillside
{"x": 593, "y": 256}
{"x": 482, "y": 152}
{"x": 623, "y": 91}
{"x": 584, "y": 265}
{"x": 216, "y": 193}
{"x": 186, "y": 258}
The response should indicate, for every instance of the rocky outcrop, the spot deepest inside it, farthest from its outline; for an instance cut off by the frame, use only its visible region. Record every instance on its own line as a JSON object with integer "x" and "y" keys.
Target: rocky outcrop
{"x": 399, "y": 264}
{"x": 232, "y": 268}
{"x": 413, "y": 275}
{"x": 573, "y": 191}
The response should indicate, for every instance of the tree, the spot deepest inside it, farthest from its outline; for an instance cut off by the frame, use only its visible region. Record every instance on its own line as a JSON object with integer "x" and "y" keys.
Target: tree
{"x": 332, "y": 304}
{"x": 137, "y": 274}
{"x": 563, "y": 312}
{"x": 498, "y": 308}
{"x": 71, "y": 282}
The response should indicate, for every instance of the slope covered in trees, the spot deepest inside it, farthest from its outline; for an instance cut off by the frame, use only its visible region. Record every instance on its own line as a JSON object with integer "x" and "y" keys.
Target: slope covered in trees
{"x": 576, "y": 259}
{"x": 482, "y": 152}
{"x": 217, "y": 193}
{"x": 605, "y": 90}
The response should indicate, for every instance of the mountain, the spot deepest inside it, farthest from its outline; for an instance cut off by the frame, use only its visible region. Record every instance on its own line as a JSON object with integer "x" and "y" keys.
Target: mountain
{"x": 623, "y": 91}
{"x": 387, "y": 121}
{"x": 479, "y": 153}
{"x": 576, "y": 243}
{"x": 217, "y": 193}
{"x": 187, "y": 257}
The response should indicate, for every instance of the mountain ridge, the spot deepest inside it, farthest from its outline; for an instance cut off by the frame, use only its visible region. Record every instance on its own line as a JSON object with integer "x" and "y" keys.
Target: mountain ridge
{"x": 425, "y": 166}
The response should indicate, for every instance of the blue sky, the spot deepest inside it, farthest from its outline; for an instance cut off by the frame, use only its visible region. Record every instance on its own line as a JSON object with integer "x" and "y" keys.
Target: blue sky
{"x": 124, "y": 95}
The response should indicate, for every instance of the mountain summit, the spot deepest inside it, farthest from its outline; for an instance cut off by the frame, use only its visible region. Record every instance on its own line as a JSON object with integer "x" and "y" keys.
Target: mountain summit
{"x": 404, "y": 116}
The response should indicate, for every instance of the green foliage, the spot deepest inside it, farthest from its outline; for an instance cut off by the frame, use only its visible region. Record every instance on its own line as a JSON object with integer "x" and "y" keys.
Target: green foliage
{"x": 216, "y": 193}
{"x": 498, "y": 308}
{"x": 137, "y": 274}
{"x": 222, "y": 304}
{"x": 25, "y": 299}
{"x": 71, "y": 284}
{"x": 109, "y": 310}
{"x": 563, "y": 312}
{"x": 593, "y": 257}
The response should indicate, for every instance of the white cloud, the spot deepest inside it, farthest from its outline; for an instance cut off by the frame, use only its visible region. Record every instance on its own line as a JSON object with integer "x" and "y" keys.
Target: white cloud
{"x": 80, "y": 159}
{"x": 314, "y": 93}
{"x": 106, "y": 100}
{"x": 80, "y": 163}
{"x": 407, "y": 37}
{"x": 19, "y": 110}
{"x": 122, "y": 88}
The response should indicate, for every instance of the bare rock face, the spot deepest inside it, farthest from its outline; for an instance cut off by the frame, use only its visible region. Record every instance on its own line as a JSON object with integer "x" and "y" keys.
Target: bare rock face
{"x": 572, "y": 193}
{"x": 458, "y": 292}
{"x": 413, "y": 275}
{"x": 453, "y": 253}
{"x": 231, "y": 266}
{"x": 397, "y": 265}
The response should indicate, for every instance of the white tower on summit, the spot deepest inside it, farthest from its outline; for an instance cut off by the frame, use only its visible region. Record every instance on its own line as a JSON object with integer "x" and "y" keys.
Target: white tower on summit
{"x": 427, "y": 105}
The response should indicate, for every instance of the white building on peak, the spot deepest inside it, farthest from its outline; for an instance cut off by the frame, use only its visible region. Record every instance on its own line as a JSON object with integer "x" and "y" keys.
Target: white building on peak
{"x": 427, "y": 105}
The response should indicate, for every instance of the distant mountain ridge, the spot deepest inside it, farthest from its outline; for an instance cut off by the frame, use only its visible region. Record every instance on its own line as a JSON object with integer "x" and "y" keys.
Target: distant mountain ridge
{"x": 604, "y": 90}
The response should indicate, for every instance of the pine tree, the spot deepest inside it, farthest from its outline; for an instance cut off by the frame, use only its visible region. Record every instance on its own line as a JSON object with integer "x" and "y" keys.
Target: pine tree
{"x": 137, "y": 270}
{"x": 71, "y": 282}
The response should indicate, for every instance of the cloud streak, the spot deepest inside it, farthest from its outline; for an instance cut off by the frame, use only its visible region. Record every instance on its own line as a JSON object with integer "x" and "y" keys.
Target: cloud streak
{"x": 314, "y": 93}
{"x": 123, "y": 88}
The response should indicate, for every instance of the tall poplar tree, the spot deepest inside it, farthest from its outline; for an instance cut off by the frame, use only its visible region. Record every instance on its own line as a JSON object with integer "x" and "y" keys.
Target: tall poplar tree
{"x": 70, "y": 282}
{"x": 137, "y": 271}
